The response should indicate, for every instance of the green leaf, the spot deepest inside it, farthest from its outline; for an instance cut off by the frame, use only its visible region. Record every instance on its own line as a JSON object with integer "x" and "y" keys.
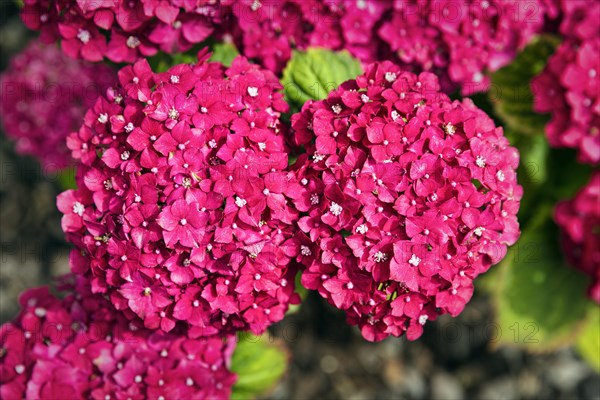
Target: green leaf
{"x": 302, "y": 291}
{"x": 259, "y": 363}
{"x": 511, "y": 92}
{"x": 224, "y": 53}
{"x": 66, "y": 178}
{"x": 588, "y": 343}
{"x": 312, "y": 74}
{"x": 540, "y": 302}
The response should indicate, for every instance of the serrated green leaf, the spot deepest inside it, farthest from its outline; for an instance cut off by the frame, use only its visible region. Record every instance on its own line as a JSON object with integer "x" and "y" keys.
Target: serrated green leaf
{"x": 588, "y": 343}
{"x": 313, "y": 73}
{"x": 511, "y": 92}
{"x": 259, "y": 363}
{"x": 224, "y": 53}
{"x": 540, "y": 302}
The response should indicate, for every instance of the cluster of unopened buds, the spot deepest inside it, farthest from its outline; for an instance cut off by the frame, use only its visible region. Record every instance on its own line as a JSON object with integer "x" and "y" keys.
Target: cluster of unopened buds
{"x": 461, "y": 41}
{"x": 408, "y": 196}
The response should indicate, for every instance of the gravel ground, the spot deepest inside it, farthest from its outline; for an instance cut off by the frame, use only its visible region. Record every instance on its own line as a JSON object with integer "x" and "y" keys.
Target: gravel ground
{"x": 329, "y": 360}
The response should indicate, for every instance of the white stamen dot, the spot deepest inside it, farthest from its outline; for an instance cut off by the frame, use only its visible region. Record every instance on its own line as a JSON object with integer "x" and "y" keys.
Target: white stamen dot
{"x": 480, "y": 161}
{"x": 414, "y": 260}
{"x": 335, "y": 209}
{"x": 240, "y": 202}
{"x": 84, "y": 36}
{"x": 78, "y": 208}
{"x": 133, "y": 42}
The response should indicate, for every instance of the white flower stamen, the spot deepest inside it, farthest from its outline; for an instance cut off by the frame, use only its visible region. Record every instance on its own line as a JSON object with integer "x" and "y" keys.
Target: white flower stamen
{"x": 380, "y": 257}
{"x": 335, "y": 209}
{"x": 480, "y": 161}
{"x": 362, "y": 229}
{"x": 414, "y": 260}
{"x": 133, "y": 42}
{"x": 240, "y": 202}
{"x": 78, "y": 208}
{"x": 84, "y": 36}
{"x": 252, "y": 91}
{"x": 305, "y": 251}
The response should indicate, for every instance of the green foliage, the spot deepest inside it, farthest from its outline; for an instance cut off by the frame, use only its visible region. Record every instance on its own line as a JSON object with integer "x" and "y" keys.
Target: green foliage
{"x": 66, "y": 178}
{"x": 221, "y": 52}
{"x": 588, "y": 343}
{"x": 312, "y": 74}
{"x": 540, "y": 302}
{"x": 259, "y": 363}
{"x": 224, "y": 53}
{"x": 302, "y": 291}
{"x": 511, "y": 92}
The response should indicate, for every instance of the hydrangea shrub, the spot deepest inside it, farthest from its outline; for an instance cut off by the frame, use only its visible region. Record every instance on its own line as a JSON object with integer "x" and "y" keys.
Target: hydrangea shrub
{"x": 408, "y": 196}
{"x": 184, "y": 202}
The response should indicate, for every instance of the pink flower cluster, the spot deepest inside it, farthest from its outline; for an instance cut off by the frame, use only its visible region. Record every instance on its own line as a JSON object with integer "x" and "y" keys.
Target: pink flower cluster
{"x": 579, "y": 219}
{"x": 408, "y": 196}
{"x": 461, "y": 40}
{"x": 78, "y": 347}
{"x": 184, "y": 201}
{"x": 44, "y": 95}
{"x": 120, "y": 30}
{"x": 569, "y": 87}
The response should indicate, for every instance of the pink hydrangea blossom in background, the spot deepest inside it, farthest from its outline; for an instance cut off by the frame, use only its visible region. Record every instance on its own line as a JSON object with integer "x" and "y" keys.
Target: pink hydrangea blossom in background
{"x": 78, "y": 347}
{"x": 184, "y": 202}
{"x": 407, "y": 197}
{"x": 569, "y": 87}
{"x": 124, "y": 31}
{"x": 579, "y": 219}
{"x": 459, "y": 40}
{"x": 44, "y": 95}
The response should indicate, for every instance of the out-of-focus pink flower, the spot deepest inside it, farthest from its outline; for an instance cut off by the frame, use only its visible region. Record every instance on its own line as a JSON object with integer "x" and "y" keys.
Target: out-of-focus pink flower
{"x": 579, "y": 219}
{"x": 569, "y": 86}
{"x": 44, "y": 98}
{"x": 406, "y": 196}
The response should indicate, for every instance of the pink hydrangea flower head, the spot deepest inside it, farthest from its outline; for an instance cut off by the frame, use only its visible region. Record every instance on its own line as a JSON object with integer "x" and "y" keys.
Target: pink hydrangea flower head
{"x": 579, "y": 220}
{"x": 123, "y": 31}
{"x": 569, "y": 86}
{"x": 407, "y": 197}
{"x": 185, "y": 206}
{"x": 79, "y": 347}
{"x": 44, "y": 97}
{"x": 459, "y": 40}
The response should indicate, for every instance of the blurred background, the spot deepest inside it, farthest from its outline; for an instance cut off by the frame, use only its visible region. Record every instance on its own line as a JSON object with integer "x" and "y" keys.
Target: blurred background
{"x": 456, "y": 358}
